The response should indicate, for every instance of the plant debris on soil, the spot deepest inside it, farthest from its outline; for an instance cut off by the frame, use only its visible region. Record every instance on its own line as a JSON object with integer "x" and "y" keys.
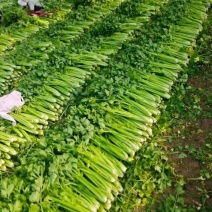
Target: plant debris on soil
{"x": 191, "y": 148}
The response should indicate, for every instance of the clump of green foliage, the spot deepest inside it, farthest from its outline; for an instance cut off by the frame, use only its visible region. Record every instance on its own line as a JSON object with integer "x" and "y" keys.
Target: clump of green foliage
{"x": 13, "y": 15}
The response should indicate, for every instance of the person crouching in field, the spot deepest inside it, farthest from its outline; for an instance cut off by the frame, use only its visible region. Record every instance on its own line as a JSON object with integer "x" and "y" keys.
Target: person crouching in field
{"x": 35, "y": 7}
{"x": 1, "y": 16}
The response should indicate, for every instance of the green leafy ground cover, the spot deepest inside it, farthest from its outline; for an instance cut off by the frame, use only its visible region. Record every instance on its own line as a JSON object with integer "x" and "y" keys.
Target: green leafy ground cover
{"x": 35, "y": 77}
{"x": 183, "y": 146}
{"x": 94, "y": 123}
{"x": 36, "y": 61}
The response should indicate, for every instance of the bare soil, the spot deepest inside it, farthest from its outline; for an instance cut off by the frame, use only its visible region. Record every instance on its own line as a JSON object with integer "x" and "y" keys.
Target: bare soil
{"x": 198, "y": 132}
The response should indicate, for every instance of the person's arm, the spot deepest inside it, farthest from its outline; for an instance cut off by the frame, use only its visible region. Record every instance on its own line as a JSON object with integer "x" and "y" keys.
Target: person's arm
{"x": 31, "y": 7}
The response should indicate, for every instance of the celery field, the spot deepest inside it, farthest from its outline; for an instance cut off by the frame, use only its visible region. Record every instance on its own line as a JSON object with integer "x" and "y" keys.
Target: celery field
{"x": 97, "y": 78}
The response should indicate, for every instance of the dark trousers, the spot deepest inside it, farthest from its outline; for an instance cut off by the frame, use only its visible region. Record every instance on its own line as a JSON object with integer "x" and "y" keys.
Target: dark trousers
{"x": 38, "y": 8}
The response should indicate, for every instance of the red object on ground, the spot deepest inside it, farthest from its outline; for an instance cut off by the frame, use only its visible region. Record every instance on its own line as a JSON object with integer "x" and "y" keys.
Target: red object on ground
{"x": 39, "y": 13}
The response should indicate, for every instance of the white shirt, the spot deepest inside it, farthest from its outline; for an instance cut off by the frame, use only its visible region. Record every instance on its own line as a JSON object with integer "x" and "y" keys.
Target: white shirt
{"x": 8, "y": 102}
{"x": 33, "y": 3}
